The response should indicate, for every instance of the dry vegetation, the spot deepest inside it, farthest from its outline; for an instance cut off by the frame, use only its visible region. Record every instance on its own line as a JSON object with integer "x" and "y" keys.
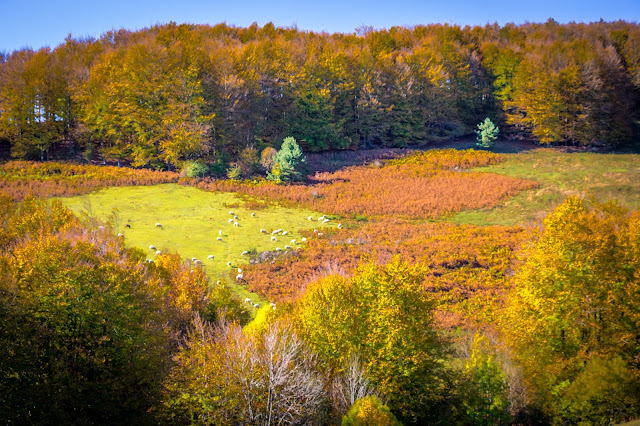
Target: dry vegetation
{"x": 422, "y": 185}
{"x": 21, "y": 178}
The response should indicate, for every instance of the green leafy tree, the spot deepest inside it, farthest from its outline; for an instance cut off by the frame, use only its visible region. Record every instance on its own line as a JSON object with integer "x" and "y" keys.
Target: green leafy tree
{"x": 486, "y": 401}
{"x": 487, "y": 133}
{"x": 576, "y": 296}
{"x": 288, "y": 163}
{"x": 382, "y": 314}
{"x": 195, "y": 169}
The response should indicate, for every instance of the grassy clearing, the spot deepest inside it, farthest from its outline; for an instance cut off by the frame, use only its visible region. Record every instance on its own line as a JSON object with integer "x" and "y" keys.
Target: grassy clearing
{"x": 590, "y": 175}
{"x": 190, "y": 220}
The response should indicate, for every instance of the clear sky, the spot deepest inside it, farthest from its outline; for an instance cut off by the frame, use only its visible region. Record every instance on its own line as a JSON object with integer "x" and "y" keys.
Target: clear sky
{"x": 38, "y": 23}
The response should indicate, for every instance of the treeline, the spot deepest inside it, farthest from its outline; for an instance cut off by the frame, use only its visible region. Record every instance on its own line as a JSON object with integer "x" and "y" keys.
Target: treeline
{"x": 171, "y": 93}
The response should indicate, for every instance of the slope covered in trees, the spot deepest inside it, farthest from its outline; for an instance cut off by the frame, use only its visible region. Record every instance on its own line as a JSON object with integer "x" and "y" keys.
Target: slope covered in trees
{"x": 172, "y": 93}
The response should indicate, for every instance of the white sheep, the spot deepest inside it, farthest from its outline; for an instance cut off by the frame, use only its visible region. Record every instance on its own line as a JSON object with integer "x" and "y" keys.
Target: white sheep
{"x": 158, "y": 252}
{"x": 245, "y": 253}
{"x": 247, "y": 300}
{"x": 273, "y": 305}
{"x": 218, "y": 282}
{"x": 152, "y": 247}
{"x": 277, "y": 231}
{"x": 321, "y": 218}
{"x": 292, "y": 241}
{"x": 253, "y": 215}
{"x": 120, "y": 235}
{"x": 325, "y": 221}
{"x": 232, "y": 213}
{"x": 220, "y": 233}
{"x": 285, "y": 232}
{"x": 235, "y": 218}
{"x": 229, "y": 264}
{"x": 278, "y": 249}
{"x": 287, "y": 247}
{"x": 256, "y": 306}
{"x": 274, "y": 239}
{"x": 304, "y": 240}
{"x": 197, "y": 262}
{"x": 219, "y": 238}
{"x": 236, "y": 224}
{"x": 210, "y": 257}
{"x": 158, "y": 225}
{"x": 239, "y": 277}
{"x": 193, "y": 259}
{"x": 230, "y": 221}
{"x": 263, "y": 231}
{"x": 320, "y": 234}
{"x": 310, "y": 218}
{"x": 239, "y": 270}
{"x": 339, "y": 226}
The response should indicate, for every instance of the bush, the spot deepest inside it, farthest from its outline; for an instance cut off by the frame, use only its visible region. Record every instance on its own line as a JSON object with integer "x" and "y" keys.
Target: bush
{"x": 194, "y": 169}
{"x": 288, "y": 162}
{"x": 487, "y": 133}
{"x": 369, "y": 411}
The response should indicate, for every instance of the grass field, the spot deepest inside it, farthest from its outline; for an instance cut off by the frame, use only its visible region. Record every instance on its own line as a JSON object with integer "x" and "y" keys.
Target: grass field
{"x": 190, "y": 220}
{"x": 598, "y": 176}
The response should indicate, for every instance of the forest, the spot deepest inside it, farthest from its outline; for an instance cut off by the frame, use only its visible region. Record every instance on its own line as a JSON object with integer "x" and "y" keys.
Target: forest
{"x": 170, "y": 93}
{"x": 256, "y": 226}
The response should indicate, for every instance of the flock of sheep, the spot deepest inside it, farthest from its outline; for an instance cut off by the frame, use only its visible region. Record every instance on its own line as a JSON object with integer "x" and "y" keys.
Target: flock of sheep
{"x": 274, "y": 238}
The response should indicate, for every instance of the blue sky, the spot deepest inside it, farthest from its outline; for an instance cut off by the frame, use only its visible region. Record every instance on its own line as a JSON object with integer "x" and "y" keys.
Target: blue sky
{"x": 40, "y": 23}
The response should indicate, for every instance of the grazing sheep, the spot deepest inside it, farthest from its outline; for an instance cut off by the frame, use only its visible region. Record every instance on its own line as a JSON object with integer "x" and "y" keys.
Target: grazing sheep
{"x": 320, "y": 234}
{"x": 264, "y": 231}
{"x": 277, "y": 231}
{"x": 253, "y": 215}
{"x": 287, "y": 247}
{"x": 148, "y": 260}
{"x": 158, "y": 252}
{"x": 210, "y": 257}
{"x": 273, "y": 305}
{"x": 310, "y": 218}
{"x": 218, "y": 282}
{"x": 315, "y": 231}
{"x": 158, "y": 225}
{"x": 285, "y": 232}
{"x": 321, "y": 218}
{"x": 239, "y": 270}
{"x": 197, "y": 262}
{"x": 245, "y": 253}
{"x": 229, "y": 264}
{"x": 274, "y": 239}
{"x": 120, "y": 235}
{"x": 193, "y": 259}
{"x": 239, "y": 277}
{"x": 220, "y": 233}
{"x": 256, "y": 306}
{"x": 152, "y": 248}
{"x": 230, "y": 221}
{"x": 292, "y": 241}
{"x": 304, "y": 240}
{"x": 127, "y": 226}
{"x": 278, "y": 249}
{"x": 219, "y": 238}
{"x": 325, "y": 221}
{"x": 247, "y": 300}
{"x": 339, "y": 226}
{"x": 232, "y": 213}
{"x": 235, "y": 218}
{"x": 236, "y": 224}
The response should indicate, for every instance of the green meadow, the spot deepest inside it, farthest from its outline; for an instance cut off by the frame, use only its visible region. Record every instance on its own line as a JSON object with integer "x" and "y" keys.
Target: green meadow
{"x": 600, "y": 177}
{"x": 191, "y": 222}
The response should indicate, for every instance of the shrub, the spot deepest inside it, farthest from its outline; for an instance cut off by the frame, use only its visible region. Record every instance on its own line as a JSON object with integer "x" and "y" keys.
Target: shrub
{"x": 487, "y": 133}
{"x": 288, "y": 162}
{"x": 194, "y": 169}
{"x": 369, "y": 411}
